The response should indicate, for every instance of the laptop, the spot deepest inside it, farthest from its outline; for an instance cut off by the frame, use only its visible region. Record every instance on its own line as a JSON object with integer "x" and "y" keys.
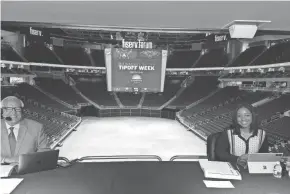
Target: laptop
{"x": 263, "y": 163}
{"x": 38, "y": 161}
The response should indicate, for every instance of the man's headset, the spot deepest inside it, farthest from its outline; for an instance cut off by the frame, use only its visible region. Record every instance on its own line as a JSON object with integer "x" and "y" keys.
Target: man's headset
{"x": 7, "y": 99}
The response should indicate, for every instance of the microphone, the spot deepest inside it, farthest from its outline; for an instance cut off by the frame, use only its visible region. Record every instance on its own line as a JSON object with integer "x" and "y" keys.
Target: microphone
{"x": 8, "y": 118}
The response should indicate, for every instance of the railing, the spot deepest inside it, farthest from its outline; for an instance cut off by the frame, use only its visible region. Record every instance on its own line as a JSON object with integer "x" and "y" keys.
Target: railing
{"x": 137, "y": 112}
{"x": 189, "y": 157}
{"x": 119, "y": 157}
{"x": 60, "y": 140}
{"x": 287, "y": 64}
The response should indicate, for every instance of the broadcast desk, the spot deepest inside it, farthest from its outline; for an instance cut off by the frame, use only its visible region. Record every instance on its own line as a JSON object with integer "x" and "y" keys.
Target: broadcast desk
{"x": 141, "y": 178}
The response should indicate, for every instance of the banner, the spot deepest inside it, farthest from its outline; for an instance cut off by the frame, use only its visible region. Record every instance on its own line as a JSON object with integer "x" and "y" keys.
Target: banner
{"x": 135, "y": 70}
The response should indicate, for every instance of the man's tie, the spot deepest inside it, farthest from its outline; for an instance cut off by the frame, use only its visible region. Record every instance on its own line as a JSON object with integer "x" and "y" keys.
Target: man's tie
{"x": 12, "y": 141}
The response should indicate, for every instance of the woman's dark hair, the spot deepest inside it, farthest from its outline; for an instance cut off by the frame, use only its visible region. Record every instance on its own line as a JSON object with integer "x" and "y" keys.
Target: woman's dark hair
{"x": 254, "y": 125}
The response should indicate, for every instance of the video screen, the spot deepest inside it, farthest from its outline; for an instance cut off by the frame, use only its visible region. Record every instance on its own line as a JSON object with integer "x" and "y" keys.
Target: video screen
{"x": 135, "y": 70}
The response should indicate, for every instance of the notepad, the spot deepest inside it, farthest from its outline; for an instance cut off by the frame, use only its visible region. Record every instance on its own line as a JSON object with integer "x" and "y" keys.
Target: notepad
{"x": 8, "y": 185}
{"x": 219, "y": 170}
{"x": 218, "y": 184}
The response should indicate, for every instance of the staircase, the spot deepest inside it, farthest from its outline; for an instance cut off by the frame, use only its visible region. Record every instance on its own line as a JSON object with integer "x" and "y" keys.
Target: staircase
{"x": 86, "y": 98}
{"x": 118, "y": 100}
{"x": 141, "y": 100}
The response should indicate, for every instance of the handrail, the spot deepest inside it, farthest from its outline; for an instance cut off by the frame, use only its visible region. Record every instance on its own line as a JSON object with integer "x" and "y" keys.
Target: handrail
{"x": 121, "y": 157}
{"x": 188, "y": 157}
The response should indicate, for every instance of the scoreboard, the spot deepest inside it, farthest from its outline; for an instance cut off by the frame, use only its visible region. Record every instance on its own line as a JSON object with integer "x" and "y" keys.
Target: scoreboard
{"x": 135, "y": 70}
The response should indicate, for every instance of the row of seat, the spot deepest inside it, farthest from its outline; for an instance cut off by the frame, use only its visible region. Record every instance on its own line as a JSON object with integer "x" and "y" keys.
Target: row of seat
{"x": 261, "y": 55}
{"x": 256, "y": 55}
{"x": 202, "y": 86}
{"x": 213, "y": 58}
{"x": 29, "y": 92}
{"x": 59, "y": 89}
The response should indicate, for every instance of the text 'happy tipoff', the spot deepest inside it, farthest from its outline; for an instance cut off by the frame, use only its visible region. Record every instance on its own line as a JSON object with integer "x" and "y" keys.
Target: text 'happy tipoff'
{"x": 137, "y": 67}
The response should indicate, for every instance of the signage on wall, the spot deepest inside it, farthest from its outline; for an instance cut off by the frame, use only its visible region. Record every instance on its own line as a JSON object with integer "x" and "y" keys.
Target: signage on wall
{"x": 213, "y": 38}
{"x": 137, "y": 44}
{"x": 35, "y": 32}
{"x": 218, "y": 38}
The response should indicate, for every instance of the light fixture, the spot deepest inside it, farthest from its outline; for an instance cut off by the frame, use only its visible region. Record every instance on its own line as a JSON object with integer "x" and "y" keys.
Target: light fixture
{"x": 244, "y": 28}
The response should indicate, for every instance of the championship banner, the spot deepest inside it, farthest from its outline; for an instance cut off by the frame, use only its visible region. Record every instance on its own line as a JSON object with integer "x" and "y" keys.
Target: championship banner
{"x": 135, "y": 70}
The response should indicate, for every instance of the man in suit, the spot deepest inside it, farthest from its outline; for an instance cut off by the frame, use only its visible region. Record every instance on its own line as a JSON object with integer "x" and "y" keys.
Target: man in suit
{"x": 19, "y": 135}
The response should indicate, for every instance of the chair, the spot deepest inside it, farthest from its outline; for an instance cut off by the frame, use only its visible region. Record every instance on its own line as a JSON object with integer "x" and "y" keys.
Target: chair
{"x": 211, "y": 144}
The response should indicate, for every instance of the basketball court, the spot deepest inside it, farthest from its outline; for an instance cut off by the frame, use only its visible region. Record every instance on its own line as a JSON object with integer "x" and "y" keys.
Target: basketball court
{"x": 131, "y": 136}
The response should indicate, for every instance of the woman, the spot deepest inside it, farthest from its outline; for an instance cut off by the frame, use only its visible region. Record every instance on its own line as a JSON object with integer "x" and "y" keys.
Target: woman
{"x": 243, "y": 138}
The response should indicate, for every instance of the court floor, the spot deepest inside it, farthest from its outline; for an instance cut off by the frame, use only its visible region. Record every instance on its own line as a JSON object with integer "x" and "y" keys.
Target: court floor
{"x": 131, "y": 136}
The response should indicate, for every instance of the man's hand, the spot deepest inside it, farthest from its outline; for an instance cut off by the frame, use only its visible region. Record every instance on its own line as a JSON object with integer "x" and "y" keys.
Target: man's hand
{"x": 11, "y": 160}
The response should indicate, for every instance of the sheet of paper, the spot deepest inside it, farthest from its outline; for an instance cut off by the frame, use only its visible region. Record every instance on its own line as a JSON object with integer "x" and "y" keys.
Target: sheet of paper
{"x": 217, "y": 167}
{"x": 5, "y": 170}
{"x": 218, "y": 184}
{"x": 8, "y": 185}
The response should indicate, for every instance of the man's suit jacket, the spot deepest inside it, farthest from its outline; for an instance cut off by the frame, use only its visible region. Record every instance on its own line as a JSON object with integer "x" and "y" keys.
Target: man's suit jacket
{"x": 31, "y": 138}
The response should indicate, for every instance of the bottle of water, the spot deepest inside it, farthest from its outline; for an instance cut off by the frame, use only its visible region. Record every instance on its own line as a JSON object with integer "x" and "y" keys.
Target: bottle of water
{"x": 277, "y": 172}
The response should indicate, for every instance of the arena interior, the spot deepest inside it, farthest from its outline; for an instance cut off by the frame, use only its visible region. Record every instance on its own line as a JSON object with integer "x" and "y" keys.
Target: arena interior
{"x": 58, "y": 66}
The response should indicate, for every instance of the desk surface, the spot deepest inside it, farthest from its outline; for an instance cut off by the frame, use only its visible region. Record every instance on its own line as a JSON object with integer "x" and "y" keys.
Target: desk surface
{"x": 141, "y": 178}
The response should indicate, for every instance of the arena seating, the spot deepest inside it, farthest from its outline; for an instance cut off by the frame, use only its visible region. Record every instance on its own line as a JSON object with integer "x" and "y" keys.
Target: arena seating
{"x": 247, "y": 56}
{"x": 98, "y": 57}
{"x": 29, "y": 92}
{"x": 129, "y": 99}
{"x": 21, "y": 71}
{"x": 213, "y": 114}
{"x": 182, "y": 59}
{"x": 97, "y": 92}
{"x": 158, "y": 99}
{"x": 201, "y": 87}
{"x": 280, "y": 104}
{"x": 278, "y": 129}
{"x": 8, "y": 53}
{"x": 59, "y": 89}
{"x": 56, "y": 124}
{"x": 40, "y": 53}
{"x": 278, "y": 53}
{"x": 73, "y": 55}
{"x": 213, "y": 58}
{"x": 6, "y": 70}
{"x": 7, "y": 91}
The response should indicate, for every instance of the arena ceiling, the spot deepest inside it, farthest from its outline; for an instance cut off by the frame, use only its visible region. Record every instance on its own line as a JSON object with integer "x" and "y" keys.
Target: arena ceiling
{"x": 182, "y": 15}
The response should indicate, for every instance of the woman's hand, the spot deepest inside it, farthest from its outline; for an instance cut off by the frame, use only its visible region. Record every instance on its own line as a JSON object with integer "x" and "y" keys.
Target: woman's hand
{"x": 243, "y": 160}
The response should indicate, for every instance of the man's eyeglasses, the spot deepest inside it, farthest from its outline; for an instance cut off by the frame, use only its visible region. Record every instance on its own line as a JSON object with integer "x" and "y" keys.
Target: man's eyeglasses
{"x": 17, "y": 109}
